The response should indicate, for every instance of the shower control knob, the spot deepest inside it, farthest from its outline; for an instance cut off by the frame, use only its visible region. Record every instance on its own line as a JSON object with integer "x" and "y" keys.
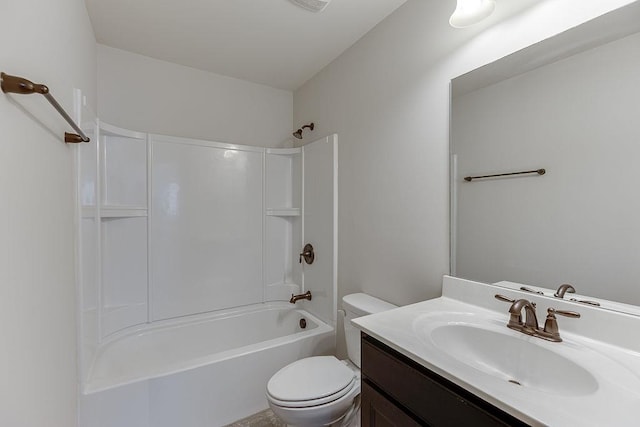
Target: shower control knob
{"x": 307, "y": 254}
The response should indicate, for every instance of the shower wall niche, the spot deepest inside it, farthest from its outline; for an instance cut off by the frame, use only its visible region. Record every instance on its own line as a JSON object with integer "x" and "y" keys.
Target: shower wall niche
{"x": 173, "y": 227}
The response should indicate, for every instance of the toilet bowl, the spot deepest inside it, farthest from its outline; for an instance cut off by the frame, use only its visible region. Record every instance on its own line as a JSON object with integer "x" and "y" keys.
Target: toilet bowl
{"x": 315, "y": 391}
{"x": 322, "y": 390}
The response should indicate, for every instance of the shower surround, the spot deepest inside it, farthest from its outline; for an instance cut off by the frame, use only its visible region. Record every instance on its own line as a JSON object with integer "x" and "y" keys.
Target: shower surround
{"x": 188, "y": 255}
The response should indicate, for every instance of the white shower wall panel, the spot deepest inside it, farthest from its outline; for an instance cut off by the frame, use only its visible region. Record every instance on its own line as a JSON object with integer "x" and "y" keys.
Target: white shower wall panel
{"x": 125, "y": 175}
{"x": 89, "y": 265}
{"x": 278, "y": 241}
{"x": 278, "y": 180}
{"x": 88, "y": 297}
{"x": 206, "y": 224}
{"x": 320, "y": 219}
{"x": 124, "y": 273}
{"x": 88, "y": 171}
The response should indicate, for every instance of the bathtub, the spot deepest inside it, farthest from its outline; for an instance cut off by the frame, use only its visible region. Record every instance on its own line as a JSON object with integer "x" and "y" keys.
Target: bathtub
{"x": 202, "y": 371}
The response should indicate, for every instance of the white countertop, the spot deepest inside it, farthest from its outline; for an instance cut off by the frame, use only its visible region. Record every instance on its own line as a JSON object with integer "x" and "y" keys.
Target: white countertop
{"x": 612, "y": 400}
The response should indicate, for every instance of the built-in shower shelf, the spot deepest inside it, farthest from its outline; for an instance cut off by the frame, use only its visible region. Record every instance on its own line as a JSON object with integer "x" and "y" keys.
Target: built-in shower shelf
{"x": 283, "y": 212}
{"x": 115, "y": 211}
{"x": 122, "y": 211}
{"x": 284, "y": 151}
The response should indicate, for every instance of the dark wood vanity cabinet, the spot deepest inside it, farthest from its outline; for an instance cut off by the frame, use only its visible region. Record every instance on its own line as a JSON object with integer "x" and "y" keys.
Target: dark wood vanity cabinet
{"x": 396, "y": 391}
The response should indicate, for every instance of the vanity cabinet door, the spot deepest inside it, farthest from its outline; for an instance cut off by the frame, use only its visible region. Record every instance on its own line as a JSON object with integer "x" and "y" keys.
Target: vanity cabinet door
{"x": 430, "y": 398}
{"x": 378, "y": 411}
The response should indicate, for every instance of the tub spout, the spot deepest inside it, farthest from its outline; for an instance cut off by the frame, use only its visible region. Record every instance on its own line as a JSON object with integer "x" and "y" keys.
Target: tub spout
{"x": 295, "y": 298}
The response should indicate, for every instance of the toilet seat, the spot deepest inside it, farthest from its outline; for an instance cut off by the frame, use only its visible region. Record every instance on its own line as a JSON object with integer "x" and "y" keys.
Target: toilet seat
{"x": 311, "y": 382}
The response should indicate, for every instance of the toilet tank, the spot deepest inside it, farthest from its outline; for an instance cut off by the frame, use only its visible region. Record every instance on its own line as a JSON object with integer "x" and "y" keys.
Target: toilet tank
{"x": 357, "y": 305}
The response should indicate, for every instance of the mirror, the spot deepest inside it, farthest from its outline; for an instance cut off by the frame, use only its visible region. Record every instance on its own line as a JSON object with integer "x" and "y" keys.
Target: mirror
{"x": 569, "y": 105}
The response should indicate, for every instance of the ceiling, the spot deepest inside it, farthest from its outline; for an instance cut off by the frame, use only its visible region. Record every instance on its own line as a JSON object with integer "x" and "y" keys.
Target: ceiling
{"x": 272, "y": 42}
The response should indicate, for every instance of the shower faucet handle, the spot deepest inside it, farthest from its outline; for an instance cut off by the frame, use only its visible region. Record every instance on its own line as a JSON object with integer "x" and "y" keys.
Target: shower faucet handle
{"x": 307, "y": 254}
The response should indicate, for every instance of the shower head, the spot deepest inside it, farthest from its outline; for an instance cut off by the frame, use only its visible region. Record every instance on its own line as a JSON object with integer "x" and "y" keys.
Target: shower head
{"x": 298, "y": 133}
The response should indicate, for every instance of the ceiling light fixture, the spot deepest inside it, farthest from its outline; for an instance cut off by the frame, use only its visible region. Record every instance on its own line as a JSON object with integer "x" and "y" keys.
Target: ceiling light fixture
{"x": 470, "y": 12}
{"x": 312, "y": 5}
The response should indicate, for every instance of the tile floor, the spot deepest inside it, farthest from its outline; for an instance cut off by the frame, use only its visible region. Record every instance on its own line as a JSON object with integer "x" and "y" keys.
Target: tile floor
{"x": 261, "y": 419}
{"x": 268, "y": 419}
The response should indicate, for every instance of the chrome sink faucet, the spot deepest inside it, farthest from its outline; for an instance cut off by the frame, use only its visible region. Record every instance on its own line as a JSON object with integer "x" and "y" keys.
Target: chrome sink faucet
{"x": 530, "y": 326}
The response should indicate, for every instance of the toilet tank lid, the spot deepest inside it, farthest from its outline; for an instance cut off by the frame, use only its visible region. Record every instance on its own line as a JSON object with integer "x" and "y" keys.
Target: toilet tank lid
{"x": 363, "y": 304}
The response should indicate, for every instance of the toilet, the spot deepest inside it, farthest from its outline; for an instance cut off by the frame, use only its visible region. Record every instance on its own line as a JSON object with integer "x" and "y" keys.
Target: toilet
{"x": 322, "y": 390}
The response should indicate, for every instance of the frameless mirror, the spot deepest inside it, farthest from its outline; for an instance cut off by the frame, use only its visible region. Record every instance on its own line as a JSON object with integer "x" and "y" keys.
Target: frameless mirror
{"x": 568, "y": 105}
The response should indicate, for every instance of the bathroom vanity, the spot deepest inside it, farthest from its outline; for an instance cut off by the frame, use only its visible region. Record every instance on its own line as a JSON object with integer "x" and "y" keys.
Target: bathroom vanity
{"x": 398, "y": 391}
{"x": 453, "y": 361}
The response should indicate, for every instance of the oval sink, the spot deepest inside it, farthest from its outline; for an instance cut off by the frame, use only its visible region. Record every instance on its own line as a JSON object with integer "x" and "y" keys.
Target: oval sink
{"x": 513, "y": 358}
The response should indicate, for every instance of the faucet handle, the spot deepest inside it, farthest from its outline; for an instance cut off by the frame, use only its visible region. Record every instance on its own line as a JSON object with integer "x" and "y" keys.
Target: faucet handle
{"x": 567, "y": 313}
{"x": 507, "y": 299}
{"x": 307, "y": 254}
{"x": 582, "y": 301}
{"x": 515, "y": 319}
{"x": 503, "y": 298}
{"x": 533, "y": 291}
{"x": 551, "y": 331}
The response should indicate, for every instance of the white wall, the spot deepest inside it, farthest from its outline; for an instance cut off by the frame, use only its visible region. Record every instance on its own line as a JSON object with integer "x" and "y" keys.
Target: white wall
{"x": 148, "y": 95}
{"x": 578, "y": 224}
{"x": 49, "y": 42}
{"x": 388, "y": 99}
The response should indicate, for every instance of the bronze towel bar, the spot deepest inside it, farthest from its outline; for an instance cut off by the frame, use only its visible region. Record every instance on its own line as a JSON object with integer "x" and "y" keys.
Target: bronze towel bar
{"x": 538, "y": 171}
{"x": 13, "y": 84}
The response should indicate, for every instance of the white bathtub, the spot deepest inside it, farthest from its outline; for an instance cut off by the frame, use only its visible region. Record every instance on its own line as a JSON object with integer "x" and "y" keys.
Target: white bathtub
{"x": 204, "y": 371}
